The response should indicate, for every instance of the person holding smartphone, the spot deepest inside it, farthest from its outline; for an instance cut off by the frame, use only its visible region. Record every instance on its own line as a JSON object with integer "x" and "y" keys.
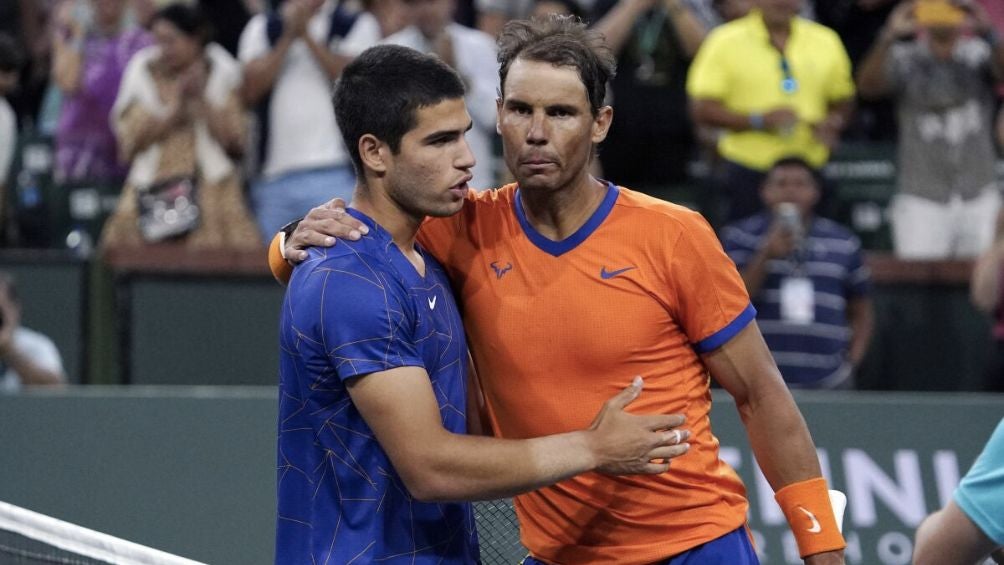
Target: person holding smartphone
{"x": 93, "y": 42}
{"x": 939, "y": 61}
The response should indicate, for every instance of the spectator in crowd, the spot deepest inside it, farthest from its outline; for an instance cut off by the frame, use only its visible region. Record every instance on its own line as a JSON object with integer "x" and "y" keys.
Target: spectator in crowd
{"x": 728, "y": 10}
{"x": 987, "y": 294}
{"x": 969, "y": 528}
{"x": 178, "y": 116}
{"x": 493, "y": 14}
{"x": 27, "y": 358}
{"x": 942, "y": 83}
{"x": 652, "y": 139}
{"x": 28, "y": 22}
{"x": 229, "y": 17}
{"x": 858, "y": 23}
{"x": 10, "y": 66}
{"x": 93, "y": 42}
{"x": 379, "y": 19}
{"x": 290, "y": 59}
{"x": 807, "y": 280}
{"x": 778, "y": 85}
{"x": 545, "y": 8}
{"x": 472, "y": 54}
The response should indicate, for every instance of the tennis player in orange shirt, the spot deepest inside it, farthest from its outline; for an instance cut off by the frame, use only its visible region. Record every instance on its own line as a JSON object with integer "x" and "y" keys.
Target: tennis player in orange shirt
{"x": 567, "y": 282}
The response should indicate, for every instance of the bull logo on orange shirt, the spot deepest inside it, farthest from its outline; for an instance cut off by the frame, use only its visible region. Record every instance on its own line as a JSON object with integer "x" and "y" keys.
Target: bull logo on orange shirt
{"x": 499, "y": 271}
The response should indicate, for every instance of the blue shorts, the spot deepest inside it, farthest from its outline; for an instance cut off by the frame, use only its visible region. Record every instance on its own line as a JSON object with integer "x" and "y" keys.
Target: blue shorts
{"x": 734, "y": 548}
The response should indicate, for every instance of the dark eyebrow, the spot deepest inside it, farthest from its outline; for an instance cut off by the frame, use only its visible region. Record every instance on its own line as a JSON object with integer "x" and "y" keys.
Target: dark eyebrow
{"x": 447, "y": 133}
{"x": 511, "y": 103}
{"x": 567, "y": 108}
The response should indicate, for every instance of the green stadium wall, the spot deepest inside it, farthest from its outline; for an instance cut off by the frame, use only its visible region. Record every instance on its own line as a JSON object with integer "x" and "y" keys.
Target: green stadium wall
{"x": 191, "y": 470}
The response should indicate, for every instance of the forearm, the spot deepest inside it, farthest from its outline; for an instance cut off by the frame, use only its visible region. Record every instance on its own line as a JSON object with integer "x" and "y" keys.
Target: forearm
{"x": 30, "y": 372}
{"x": 861, "y": 319}
{"x": 617, "y": 25}
{"x": 67, "y": 62}
{"x": 713, "y": 113}
{"x": 777, "y": 432}
{"x": 689, "y": 29}
{"x": 996, "y": 42}
{"x": 754, "y": 273}
{"x": 984, "y": 289}
{"x": 260, "y": 73}
{"x": 780, "y": 438}
{"x": 840, "y": 112}
{"x": 332, "y": 63}
{"x": 481, "y": 468}
{"x": 871, "y": 79}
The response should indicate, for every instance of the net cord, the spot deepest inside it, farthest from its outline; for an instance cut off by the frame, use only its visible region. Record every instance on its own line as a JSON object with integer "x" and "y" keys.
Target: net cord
{"x": 82, "y": 541}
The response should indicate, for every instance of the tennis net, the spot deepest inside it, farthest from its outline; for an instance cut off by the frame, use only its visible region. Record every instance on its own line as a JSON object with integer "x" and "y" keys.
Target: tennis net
{"x": 28, "y": 537}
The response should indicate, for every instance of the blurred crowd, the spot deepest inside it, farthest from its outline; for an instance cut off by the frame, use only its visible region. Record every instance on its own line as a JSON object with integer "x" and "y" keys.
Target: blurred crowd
{"x": 212, "y": 122}
{"x": 217, "y": 112}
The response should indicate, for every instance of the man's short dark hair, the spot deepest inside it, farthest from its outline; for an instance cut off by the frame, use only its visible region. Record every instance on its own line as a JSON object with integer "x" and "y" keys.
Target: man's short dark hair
{"x": 380, "y": 91}
{"x": 11, "y": 57}
{"x": 563, "y": 41}
{"x": 793, "y": 161}
{"x": 189, "y": 20}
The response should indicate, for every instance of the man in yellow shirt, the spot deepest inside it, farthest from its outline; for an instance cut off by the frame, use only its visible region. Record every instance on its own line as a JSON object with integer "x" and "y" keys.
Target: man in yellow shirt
{"x": 779, "y": 86}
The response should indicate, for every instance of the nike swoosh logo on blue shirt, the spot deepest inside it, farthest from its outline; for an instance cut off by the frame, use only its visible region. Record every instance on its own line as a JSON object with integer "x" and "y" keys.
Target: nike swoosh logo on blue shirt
{"x": 605, "y": 274}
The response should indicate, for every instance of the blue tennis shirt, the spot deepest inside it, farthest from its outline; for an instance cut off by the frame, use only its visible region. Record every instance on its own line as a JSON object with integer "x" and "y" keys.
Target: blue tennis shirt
{"x": 352, "y": 310}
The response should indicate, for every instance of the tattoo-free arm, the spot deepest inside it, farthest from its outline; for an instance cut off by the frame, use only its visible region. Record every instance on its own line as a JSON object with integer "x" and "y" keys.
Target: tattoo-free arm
{"x": 400, "y": 407}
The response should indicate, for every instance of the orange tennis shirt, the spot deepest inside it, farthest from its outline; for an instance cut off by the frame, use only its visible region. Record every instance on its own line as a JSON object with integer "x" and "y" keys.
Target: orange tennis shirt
{"x": 557, "y": 328}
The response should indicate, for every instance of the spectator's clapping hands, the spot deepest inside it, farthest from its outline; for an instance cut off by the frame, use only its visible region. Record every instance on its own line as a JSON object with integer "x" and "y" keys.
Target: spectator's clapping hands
{"x": 296, "y": 15}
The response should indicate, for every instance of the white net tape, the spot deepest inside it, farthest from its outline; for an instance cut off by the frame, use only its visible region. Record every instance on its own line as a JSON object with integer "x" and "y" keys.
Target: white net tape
{"x": 82, "y": 541}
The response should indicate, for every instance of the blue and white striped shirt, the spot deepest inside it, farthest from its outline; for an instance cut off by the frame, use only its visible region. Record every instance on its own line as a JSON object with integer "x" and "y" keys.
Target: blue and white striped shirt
{"x": 810, "y": 355}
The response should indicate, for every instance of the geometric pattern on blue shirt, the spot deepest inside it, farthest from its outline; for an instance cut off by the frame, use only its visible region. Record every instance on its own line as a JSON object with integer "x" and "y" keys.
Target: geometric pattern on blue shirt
{"x": 352, "y": 310}
{"x": 811, "y": 354}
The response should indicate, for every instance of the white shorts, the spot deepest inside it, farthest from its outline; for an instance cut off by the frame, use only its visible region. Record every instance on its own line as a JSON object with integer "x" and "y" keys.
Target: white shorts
{"x": 925, "y": 229}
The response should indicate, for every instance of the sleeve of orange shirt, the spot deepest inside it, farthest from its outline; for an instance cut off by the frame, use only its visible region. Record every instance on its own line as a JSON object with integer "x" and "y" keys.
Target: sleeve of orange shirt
{"x": 712, "y": 305}
{"x": 708, "y": 75}
{"x": 281, "y": 270}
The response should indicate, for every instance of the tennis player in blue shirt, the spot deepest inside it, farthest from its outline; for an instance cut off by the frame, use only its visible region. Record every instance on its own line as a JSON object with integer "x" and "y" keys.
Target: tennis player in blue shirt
{"x": 374, "y": 367}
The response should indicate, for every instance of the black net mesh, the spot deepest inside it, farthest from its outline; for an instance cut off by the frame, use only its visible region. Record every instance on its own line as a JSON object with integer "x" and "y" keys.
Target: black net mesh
{"x": 499, "y": 533}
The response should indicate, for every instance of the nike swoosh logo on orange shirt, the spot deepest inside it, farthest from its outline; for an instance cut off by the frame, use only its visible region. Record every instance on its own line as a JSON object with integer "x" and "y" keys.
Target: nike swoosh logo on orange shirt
{"x": 605, "y": 274}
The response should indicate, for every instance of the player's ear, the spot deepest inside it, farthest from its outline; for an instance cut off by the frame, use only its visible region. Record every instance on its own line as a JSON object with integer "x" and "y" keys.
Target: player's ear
{"x": 373, "y": 153}
{"x": 601, "y": 123}
{"x": 498, "y": 115}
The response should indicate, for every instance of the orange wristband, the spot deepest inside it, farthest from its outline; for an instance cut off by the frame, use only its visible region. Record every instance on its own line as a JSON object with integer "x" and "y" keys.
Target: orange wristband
{"x": 276, "y": 262}
{"x": 806, "y": 505}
